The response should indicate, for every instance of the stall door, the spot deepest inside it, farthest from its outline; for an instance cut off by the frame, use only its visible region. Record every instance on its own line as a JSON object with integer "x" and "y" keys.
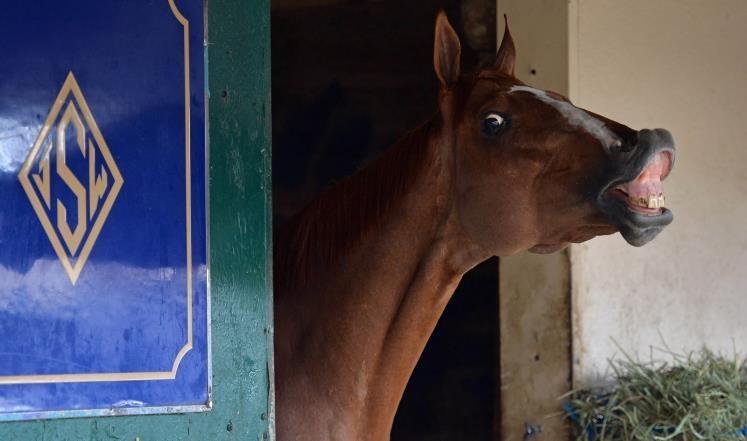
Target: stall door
{"x": 135, "y": 286}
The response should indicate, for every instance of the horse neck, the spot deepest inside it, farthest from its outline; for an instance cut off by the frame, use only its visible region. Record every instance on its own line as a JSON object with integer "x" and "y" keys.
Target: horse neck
{"x": 354, "y": 211}
{"x": 368, "y": 274}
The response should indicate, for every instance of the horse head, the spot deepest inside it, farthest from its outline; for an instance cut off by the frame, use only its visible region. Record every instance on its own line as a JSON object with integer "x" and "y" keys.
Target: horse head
{"x": 533, "y": 171}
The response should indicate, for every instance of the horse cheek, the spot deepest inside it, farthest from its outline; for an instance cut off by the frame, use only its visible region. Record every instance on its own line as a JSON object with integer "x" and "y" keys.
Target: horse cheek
{"x": 497, "y": 216}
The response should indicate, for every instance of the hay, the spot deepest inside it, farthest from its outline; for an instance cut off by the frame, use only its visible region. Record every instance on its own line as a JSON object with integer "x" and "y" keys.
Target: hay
{"x": 701, "y": 396}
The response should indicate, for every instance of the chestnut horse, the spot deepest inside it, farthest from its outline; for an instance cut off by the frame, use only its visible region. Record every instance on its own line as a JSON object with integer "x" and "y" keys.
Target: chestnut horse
{"x": 363, "y": 274}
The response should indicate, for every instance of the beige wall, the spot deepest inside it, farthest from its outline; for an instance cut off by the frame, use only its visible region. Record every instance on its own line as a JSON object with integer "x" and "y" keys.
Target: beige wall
{"x": 681, "y": 65}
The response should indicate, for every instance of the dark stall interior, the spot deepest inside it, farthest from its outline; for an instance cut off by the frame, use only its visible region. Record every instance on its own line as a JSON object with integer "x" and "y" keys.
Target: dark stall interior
{"x": 348, "y": 79}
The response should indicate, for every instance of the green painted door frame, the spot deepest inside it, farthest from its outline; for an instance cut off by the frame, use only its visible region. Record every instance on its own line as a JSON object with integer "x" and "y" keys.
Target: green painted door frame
{"x": 240, "y": 251}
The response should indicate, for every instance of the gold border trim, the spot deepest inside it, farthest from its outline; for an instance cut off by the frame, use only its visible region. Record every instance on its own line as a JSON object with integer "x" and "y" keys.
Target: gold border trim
{"x": 142, "y": 376}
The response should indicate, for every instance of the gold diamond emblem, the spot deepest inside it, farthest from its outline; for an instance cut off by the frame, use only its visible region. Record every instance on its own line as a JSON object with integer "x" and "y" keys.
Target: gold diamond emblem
{"x": 71, "y": 178}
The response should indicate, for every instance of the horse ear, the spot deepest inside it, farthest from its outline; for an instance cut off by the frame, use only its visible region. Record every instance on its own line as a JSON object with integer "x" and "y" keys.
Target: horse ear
{"x": 446, "y": 51}
{"x": 506, "y": 58}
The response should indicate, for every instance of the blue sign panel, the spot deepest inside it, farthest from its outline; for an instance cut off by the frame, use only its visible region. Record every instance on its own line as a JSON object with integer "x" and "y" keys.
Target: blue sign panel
{"x": 103, "y": 238}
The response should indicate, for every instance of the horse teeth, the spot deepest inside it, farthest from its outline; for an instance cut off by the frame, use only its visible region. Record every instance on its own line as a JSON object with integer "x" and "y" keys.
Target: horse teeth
{"x": 653, "y": 201}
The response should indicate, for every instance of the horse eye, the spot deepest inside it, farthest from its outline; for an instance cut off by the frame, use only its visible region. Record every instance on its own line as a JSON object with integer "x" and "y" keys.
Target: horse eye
{"x": 493, "y": 124}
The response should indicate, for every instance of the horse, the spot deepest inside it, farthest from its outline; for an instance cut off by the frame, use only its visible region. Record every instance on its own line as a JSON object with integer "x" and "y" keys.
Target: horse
{"x": 364, "y": 272}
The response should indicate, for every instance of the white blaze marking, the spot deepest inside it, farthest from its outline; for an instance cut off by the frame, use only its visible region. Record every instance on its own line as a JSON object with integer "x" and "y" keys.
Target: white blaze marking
{"x": 576, "y": 117}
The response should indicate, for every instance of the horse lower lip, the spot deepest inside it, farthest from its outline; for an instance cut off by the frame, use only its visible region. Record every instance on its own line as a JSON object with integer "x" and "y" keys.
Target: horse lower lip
{"x": 637, "y": 225}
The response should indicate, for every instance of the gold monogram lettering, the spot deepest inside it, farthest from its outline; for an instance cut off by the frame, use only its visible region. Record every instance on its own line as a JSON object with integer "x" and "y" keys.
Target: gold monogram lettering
{"x": 94, "y": 194}
{"x": 72, "y": 238}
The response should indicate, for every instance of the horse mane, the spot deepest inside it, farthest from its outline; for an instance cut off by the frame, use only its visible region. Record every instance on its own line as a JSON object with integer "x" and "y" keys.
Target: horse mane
{"x": 342, "y": 215}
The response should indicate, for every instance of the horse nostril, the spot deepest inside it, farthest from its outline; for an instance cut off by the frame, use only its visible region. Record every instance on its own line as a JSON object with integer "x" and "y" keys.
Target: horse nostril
{"x": 621, "y": 145}
{"x": 627, "y": 141}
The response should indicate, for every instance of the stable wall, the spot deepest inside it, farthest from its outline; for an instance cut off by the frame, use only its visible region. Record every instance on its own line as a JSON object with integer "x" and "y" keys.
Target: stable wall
{"x": 679, "y": 65}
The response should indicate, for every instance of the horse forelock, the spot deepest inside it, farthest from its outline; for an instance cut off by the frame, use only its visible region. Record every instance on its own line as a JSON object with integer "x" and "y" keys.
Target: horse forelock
{"x": 342, "y": 215}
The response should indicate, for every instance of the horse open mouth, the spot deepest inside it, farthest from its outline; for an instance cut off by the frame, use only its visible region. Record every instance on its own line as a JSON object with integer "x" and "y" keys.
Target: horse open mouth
{"x": 645, "y": 193}
{"x": 637, "y": 206}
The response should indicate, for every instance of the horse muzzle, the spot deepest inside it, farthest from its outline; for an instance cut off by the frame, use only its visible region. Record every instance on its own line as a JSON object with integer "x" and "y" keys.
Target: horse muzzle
{"x": 634, "y": 200}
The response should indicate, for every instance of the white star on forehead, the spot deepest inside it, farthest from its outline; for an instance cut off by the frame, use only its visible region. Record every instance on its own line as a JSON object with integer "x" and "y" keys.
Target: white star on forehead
{"x": 576, "y": 117}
